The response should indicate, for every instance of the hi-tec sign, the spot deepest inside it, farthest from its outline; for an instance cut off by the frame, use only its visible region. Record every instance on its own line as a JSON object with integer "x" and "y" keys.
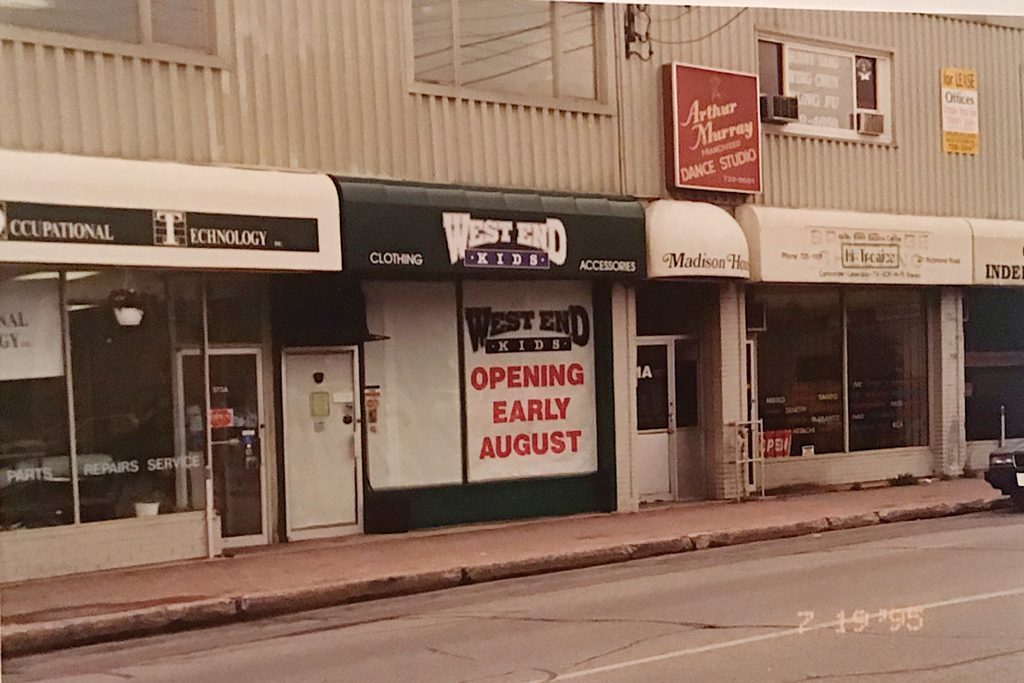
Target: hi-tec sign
{"x": 30, "y": 222}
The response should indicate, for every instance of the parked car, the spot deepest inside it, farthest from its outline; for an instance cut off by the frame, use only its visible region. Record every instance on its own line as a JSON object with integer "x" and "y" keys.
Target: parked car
{"x": 1006, "y": 471}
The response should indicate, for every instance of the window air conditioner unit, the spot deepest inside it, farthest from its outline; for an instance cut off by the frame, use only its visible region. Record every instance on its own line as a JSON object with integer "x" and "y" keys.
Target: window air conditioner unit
{"x": 779, "y": 109}
{"x": 870, "y": 124}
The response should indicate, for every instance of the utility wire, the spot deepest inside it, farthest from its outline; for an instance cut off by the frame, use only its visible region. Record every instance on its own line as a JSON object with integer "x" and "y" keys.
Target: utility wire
{"x": 524, "y": 66}
{"x": 678, "y": 16}
{"x": 487, "y": 38}
{"x": 494, "y": 55}
{"x": 706, "y": 35}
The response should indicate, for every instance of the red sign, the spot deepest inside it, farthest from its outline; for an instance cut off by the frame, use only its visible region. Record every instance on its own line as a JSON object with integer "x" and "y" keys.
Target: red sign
{"x": 221, "y": 418}
{"x": 714, "y": 142}
{"x": 776, "y": 444}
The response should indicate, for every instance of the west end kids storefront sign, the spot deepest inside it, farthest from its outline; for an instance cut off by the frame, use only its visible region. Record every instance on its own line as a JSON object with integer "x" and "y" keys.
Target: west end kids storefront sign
{"x": 426, "y": 231}
{"x": 713, "y": 139}
{"x": 529, "y": 342}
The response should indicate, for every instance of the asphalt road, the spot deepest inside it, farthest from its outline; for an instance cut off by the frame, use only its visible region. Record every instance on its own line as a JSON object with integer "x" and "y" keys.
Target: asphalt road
{"x": 938, "y": 600}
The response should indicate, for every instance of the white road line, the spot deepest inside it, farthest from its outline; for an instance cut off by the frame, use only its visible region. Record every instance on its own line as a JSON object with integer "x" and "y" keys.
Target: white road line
{"x": 770, "y": 636}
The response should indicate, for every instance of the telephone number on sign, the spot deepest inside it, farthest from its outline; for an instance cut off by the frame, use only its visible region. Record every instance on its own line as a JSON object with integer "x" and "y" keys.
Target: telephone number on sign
{"x": 894, "y": 619}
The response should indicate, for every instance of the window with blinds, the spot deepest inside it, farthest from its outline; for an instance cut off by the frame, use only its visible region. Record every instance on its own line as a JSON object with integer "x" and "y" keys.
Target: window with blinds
{"x": 520, "y": 47}
{"x": 181, "y": 23}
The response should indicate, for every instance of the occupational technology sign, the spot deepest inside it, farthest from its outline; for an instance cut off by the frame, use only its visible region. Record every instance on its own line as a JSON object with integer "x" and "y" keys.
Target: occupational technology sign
{"x": 959, "y": 111}
{"x": 434, "y": 230}
{"x": 714, "y": 139}
{"x": 32, "y": 222}
{"x": 530, "y": 396}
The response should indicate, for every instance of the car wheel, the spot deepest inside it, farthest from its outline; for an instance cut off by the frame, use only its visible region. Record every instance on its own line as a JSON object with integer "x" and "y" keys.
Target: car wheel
{"x": 1018, "y": 499}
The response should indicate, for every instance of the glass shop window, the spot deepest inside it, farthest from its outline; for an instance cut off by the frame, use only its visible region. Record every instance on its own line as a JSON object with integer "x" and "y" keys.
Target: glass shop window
{"x": 888, "y": 369}
{"x": 35, "y": 460}
{"x": 802, "y": 373}
{"x": 671, "y": 308}
{"x": 800, "y": 369}
{"x": 123, "y": 378}
{"x": 994, "y": 362}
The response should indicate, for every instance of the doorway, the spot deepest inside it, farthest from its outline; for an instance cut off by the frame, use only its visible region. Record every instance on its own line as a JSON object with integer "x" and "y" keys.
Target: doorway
{"x": 668, "y": 441}
{"x": 752, "y": 438}
{"x": 322, "y": 454}
{"x": 236, "y": 428}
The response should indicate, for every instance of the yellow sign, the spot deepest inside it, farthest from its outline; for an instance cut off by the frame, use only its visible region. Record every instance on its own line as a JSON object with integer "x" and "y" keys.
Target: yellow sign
{"x": 959, "y": 91}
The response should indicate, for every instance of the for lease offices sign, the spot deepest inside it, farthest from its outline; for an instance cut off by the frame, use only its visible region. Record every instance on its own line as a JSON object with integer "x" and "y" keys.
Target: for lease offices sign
{"x": 714, "y": 135}
{"x": 959, "y": 111}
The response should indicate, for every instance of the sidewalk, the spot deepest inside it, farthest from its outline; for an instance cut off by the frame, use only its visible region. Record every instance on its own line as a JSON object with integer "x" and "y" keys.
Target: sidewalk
{"x": 55, "y": 613}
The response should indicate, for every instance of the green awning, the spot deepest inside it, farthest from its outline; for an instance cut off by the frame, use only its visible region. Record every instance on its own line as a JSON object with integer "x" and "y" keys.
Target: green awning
{"x": 430, "y": 231}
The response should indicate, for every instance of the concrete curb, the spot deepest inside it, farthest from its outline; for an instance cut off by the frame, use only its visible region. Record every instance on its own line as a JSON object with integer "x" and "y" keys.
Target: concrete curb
{"x": 24, "y": 639}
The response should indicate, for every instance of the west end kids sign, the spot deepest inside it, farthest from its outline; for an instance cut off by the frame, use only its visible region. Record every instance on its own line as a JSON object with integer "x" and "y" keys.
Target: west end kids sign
{"x": 714, "y": 138}
{"x": 452, "y": 231}
{"x": 530, "y": 398}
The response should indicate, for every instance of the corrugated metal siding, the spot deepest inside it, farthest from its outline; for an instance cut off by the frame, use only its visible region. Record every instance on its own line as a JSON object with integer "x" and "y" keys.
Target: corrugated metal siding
{"x": 310, "y": 84}
{"x": 912, "y": 175}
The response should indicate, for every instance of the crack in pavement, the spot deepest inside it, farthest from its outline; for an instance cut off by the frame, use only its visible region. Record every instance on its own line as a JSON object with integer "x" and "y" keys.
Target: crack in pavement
{"x": 696, "y": 625}
{"x": 439, "y": 651}
{"x": 912, "y": 670}
{"x": 622, "y": 648}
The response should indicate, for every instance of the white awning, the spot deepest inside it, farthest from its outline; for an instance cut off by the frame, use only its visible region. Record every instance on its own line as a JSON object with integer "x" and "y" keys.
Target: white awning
{"x": 811, "y": 245}
{"x": 694, "y": 239}
{"x": 998, "y": 252}
{"x": 67, "y": 209}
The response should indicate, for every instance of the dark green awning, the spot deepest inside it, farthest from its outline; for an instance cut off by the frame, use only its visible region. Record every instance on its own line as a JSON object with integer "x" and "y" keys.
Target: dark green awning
{"x": 430, "y": 231}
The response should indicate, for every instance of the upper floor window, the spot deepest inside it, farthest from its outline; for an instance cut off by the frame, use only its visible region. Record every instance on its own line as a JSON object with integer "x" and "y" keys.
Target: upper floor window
{"x": 181, "y": 23}
{"x": 520, "y": 47}
{"x": 838, "y": 92}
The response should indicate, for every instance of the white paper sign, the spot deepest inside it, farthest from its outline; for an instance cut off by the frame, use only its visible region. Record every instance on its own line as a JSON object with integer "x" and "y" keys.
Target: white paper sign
{"x": 530, "y": 399}
{"x": 30, "y": 338}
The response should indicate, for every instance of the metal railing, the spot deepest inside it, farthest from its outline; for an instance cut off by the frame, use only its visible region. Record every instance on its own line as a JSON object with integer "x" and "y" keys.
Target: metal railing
{"x": 750, "y": 463}
{"x": 1002, "y": 426}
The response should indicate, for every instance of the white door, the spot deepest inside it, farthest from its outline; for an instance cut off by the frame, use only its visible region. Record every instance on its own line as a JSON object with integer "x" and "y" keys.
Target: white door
{"x": 689, "y": 437}
{"x": 652, "y": 438}
{"x": 321, "y": 443}
{"x": 237, "y": 436}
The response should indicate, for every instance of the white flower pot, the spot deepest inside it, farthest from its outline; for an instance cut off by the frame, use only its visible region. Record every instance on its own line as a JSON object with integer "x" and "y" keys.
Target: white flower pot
{"x": 147, "y": 509}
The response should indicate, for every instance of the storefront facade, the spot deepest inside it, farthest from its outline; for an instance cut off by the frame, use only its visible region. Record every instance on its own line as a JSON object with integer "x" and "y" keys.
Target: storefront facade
{"x": 134, "y": 302}
{"x": 854, "y": 329}
{"x": 687, "y": 339}
{"x": 491, "y": 391}
{"x": 994, "y": 339}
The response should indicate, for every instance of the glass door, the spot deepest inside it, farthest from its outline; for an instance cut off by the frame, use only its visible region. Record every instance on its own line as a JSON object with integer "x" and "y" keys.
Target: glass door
{"x": 691, "y": 479}
{"x": 654, "y": 422}
{"x": 753, "y": 438}
{"x": 236, "y": 430}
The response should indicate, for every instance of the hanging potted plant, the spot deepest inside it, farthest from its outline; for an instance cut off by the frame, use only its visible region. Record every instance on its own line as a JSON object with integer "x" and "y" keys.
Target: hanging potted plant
{"x": 127, "y": 307}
